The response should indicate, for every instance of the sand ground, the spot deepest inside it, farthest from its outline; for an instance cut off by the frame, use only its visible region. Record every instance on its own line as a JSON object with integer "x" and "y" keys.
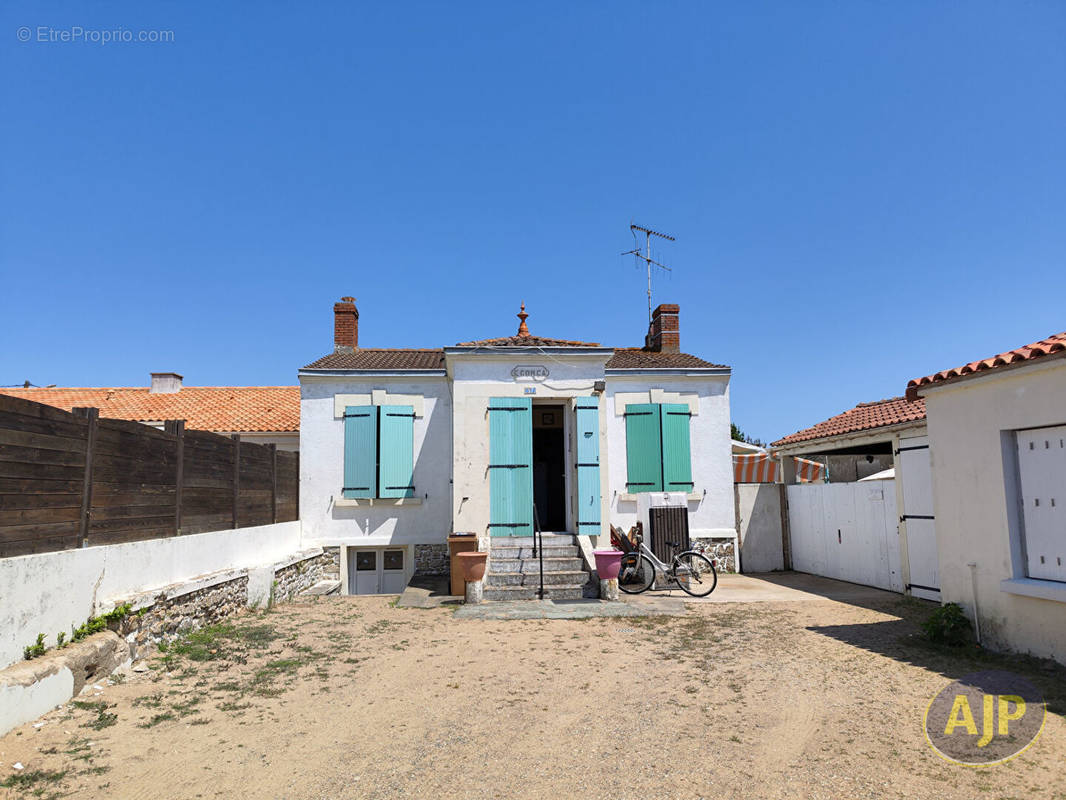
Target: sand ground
{"x": 810, "y": 697}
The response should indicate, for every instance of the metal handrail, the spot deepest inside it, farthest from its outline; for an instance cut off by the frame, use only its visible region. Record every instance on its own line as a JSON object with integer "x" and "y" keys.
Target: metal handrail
{"x": 538, "y": 533}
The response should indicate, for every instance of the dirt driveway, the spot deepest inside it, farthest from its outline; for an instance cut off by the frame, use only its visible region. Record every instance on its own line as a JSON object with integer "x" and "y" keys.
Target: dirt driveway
{"x": 808, "y": 697}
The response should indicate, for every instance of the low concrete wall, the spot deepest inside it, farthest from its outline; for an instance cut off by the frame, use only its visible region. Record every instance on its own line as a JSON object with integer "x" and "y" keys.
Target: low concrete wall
{"x": 51, "y": 593}
{"x": 761, "y": 542}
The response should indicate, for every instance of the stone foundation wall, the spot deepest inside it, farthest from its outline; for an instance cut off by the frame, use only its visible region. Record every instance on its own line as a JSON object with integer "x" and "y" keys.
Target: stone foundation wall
{"x": 722, "y": 551}
{"x": 431, "y": 559}
{"x": 170, "y": 617}
{"x": 299, "y": 577}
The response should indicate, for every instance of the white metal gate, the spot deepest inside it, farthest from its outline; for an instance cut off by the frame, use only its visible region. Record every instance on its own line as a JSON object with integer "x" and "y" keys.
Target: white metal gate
{"x": 846, "y": 531}
{"x": 917, "y": 520}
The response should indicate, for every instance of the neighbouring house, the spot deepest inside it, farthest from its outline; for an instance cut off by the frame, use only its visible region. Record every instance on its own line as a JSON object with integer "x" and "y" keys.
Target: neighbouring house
{"x": 260, "y": 414}
{"x": 401, "y": 447}
{"x": 860, "y": 525}
{"x": 997, "y": 430}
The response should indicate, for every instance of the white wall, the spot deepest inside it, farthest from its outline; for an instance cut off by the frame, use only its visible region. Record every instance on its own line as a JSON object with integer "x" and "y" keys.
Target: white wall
{"x": 52, "y": 592}
{"x": 712, "y": 515}
{"x": 761, "y": 541}
{"x": 424, "y": 519}
{"x": 969, "y": 425}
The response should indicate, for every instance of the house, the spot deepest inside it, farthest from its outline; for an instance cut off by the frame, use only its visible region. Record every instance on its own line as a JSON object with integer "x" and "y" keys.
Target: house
{"x": 260, "y": 414}
{"x": 401, "y": 447}
{"x": 879, "y": 532}
{"x": 997, "y": 432}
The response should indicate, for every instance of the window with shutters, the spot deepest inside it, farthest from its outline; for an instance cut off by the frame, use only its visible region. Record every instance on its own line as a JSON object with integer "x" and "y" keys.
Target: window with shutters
{"x": 658, "y": 452}
{"x": 379, "y": 452}
{"x": 1042, "y": 479}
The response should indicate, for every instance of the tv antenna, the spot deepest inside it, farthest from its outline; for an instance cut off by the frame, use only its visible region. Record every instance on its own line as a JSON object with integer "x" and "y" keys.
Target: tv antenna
{"x": 645, "y": 255}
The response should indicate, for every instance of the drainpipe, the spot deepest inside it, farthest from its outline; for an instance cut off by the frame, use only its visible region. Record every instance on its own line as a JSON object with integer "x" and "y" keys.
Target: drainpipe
{"x": 976, "y": 614}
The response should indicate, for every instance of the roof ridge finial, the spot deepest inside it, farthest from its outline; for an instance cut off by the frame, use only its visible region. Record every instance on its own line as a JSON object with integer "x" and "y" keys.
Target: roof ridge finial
{"x": 522, "y": 315}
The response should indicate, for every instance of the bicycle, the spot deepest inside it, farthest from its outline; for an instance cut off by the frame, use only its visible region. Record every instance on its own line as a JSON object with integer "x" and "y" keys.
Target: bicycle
{"x": 692, "y": 571}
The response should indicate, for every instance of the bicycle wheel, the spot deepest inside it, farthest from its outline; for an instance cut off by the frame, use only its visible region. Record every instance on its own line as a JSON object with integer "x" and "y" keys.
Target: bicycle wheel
{"x": 695, "y": 574}
{"x": 636, "y": 573}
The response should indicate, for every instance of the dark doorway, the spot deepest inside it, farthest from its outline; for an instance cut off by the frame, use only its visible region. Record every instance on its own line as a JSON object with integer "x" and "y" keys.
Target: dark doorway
{"x": 549, "y": 467}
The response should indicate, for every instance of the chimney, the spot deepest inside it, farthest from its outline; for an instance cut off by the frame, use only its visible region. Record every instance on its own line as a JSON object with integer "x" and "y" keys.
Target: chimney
{"x": 664, "y": 332}
{"x": 165, "y": 383}
{"x": 345, "y": 326}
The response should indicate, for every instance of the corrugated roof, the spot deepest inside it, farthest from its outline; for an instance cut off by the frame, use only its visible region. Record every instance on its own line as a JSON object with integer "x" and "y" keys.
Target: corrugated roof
{"x": 205, "y": 408}
{"x": 864, "y": 417}
{"x": 639, "y": 358}
{"x": 1056, "y": 343}
{"x": 395, "y": 359}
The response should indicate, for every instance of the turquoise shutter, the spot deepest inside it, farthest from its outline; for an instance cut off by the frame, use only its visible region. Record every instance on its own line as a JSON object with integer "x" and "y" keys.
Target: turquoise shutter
{"x": 677, "y": 459}
{"x": 510, "y": 466}
{"x": 644, "y": 471}
{"x": 396, "y": 453}
{"x": 588, "y": 466}
{"x": 360, "y": 451}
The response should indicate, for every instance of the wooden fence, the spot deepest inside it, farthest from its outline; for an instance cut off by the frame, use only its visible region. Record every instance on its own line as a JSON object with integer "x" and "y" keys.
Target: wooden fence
{"x": 73, "y": 480}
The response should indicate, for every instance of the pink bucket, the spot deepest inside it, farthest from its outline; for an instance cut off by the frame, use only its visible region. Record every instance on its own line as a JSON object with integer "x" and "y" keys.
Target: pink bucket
{"x": 608, "y": 563}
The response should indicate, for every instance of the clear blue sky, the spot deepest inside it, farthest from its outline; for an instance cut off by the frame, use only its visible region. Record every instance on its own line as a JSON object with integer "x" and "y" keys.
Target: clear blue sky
{"x": 861, "y": 192}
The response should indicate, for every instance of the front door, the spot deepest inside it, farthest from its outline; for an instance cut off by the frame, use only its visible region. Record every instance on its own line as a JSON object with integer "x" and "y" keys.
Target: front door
{"x": 549, "y": 467}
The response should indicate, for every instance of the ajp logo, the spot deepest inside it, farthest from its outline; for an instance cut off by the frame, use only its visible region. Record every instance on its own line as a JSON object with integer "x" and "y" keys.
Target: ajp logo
{"x": 985, "y": 718}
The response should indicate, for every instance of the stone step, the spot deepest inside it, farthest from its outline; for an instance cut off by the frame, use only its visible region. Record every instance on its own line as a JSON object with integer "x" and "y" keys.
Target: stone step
{"x": 556, "y": 592}
{"x": 515, "y": 553}
{"x": 532, "y": 565}
{"x": 533, "y": 579}
{"x": 550, "y": 540}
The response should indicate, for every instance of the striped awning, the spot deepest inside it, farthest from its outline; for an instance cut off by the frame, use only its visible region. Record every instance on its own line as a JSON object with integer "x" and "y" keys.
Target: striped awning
{"x": 808, "y": 471}
{"x": 755, "y": 468}
{"x": 763, "y": 468}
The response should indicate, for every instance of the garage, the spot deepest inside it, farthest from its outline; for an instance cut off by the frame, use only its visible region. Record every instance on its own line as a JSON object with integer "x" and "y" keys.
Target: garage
{"x": 868, "y": 519}
{"x": 376, "y": 570}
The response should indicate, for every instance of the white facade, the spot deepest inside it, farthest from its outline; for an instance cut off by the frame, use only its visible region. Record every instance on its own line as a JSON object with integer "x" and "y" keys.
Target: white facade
{"x": 975, "y": 425}
{"x": 452, "y": 444}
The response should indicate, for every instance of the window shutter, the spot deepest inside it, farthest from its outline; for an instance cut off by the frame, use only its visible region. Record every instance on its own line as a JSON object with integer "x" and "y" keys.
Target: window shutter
{"x": 677, "y": 459}
{"x": 396, "y": 452}
{"x": 510, "y": 466}
{"x": 360, "y": 451}
{"x": 643, "y": 448}
{"x": 588, "y": 466}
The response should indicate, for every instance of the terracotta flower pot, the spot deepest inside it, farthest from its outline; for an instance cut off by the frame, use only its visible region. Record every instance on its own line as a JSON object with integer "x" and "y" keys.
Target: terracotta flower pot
{"x": 473, "y": 565}
{"x": 607, "y": 563}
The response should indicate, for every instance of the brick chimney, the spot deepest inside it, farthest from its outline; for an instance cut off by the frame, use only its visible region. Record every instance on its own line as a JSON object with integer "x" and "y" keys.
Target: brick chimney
{"x": 165, "y": 383}
{"x": 345, "y": 326}
{"x": 664, "y": 332}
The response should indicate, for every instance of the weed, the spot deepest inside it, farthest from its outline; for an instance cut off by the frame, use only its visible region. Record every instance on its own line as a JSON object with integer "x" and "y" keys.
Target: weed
{"x": 947, "y": 625}
{"x": 157, "y": 718}
{"x": 103, "y": 718}
{"x": 33, "y": 781}
{"x": 149, "y": 700}
{"x": 101, "y": 623}
{"x": 36, "y": 649}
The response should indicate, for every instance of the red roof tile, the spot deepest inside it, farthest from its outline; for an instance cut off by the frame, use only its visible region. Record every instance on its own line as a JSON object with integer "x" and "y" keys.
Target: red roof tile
{"x": 527, "y": 340}
{"x": 864, "y": 417}
{"x": 1055, "y": 343}
{"x": 639, "y": 358}
{"x": 382, "y": 360}
{"x": 206, "y": 408}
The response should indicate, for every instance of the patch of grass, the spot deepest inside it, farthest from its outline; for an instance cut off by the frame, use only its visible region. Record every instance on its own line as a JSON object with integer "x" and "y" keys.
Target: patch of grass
{"x": 34, "y": 782}
{"x": 157, "y": 718}
{"x": 103, "y": 718}
{"x": 149, "y": 700}
{"x": 79, "y": 749}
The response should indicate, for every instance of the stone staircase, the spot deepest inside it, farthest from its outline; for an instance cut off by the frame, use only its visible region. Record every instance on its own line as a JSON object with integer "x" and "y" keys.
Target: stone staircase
{"x": 514, "y": 574}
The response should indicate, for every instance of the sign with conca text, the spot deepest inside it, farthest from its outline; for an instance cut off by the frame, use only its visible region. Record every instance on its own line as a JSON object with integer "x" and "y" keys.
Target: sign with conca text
{"x": 529, "y": 372}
